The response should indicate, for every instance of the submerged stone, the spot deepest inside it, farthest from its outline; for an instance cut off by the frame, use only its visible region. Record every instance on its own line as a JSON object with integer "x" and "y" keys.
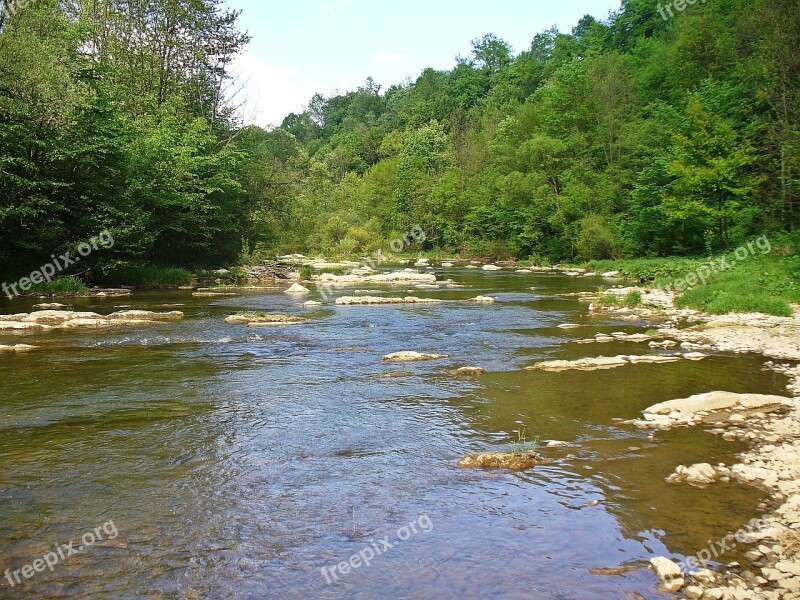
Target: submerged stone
{"x": 467, "y": 372}
{"x": 378, "y": 300}
{"x": 254, "y": 320}
{"x": 17, "y": 348}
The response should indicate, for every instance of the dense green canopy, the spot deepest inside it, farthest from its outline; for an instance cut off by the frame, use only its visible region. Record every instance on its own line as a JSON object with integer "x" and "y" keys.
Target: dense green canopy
{"x": 638, "y": 136}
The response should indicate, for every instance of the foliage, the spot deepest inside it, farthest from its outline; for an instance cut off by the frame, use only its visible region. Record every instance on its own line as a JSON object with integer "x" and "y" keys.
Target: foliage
{"x": 765, "y": 284}
{"x": 625, "y": 138}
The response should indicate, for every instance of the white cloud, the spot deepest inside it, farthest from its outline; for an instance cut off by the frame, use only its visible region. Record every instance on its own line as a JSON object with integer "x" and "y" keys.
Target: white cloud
{"x": 270, "y": 92}
{"x": 388, "y": 58}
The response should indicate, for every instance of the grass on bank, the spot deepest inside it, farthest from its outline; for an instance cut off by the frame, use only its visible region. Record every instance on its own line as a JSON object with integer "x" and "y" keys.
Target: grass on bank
{"x": 762, "y": 283}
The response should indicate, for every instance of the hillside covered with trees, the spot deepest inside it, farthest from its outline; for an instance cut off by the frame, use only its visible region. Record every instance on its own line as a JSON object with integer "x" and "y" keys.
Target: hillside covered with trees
{"x": 633, "y": 136}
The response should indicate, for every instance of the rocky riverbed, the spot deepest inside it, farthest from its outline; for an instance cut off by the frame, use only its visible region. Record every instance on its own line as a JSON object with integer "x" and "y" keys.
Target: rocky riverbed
{"x": 770, "y": 424}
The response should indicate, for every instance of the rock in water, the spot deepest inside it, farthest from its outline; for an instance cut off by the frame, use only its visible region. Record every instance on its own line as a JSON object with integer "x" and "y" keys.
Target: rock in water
{"x": 407, "y": 356}
{"x": 669, "y": 574}
{"x": 260, "y": 320}
{"x": 298, "y": 289}
{"x": 499, "y": 460}
{"x": 467, "y": 372}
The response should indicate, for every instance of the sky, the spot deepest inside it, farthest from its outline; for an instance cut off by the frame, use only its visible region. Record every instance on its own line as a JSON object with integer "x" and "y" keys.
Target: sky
{"x": 301, "y": 47}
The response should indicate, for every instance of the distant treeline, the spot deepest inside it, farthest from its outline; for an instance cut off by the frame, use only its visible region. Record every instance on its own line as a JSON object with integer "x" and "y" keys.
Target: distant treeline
{"x": 635, "y": 136}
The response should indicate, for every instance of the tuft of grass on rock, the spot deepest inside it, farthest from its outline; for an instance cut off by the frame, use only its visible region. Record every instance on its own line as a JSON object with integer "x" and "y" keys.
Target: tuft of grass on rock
{"x": 633, "y": 299}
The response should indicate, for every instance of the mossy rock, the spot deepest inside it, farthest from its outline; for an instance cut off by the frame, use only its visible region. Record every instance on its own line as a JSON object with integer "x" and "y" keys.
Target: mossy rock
{"x": 499, "y": 460}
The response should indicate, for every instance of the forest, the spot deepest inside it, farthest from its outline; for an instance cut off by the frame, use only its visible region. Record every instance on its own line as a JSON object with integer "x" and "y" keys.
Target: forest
{"x": 631, "y": 136}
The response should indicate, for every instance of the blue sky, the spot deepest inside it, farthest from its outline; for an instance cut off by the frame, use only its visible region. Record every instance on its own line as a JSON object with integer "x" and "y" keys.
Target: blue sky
{"x": 300, "y": 47}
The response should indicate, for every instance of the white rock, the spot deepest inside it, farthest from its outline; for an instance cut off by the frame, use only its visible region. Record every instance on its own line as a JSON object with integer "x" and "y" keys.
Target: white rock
{"x": 669, "y": 573}
{"x": 410, "y": 356}
{"x": 298, "y": 289}
{"x": 715, "y": 401}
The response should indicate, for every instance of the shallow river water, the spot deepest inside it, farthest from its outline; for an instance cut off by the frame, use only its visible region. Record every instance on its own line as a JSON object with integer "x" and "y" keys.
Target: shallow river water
{"x": 238, "y": 463}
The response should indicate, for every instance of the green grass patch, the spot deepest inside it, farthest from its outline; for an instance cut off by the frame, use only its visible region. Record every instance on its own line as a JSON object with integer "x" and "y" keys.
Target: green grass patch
{"x": 66, "y": 286}
{"x": 329, "y": 270}
{"x": 607, "y": 300}
{"x": 762, "y": 283}
{"x": 655, "y": 270}
{"x": 524, "y": 446}
{"x": 146, "y": 276}
{"x": 766, "y": 284}
{"x": 633, "y": 299}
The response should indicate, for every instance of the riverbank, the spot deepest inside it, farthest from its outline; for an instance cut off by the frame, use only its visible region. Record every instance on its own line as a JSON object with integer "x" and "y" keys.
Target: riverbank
{"x": 771, "y": 429}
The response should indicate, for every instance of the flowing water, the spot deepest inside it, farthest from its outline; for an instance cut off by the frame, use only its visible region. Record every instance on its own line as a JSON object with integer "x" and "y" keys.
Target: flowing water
{"x": 238, "y": 463}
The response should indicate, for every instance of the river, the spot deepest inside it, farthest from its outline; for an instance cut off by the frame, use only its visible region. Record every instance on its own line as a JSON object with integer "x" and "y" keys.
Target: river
{"x": 240, "y": 462}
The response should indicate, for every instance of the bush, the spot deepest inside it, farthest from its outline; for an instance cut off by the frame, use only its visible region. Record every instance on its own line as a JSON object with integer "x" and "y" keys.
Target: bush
{"x": 596, "y": 239}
